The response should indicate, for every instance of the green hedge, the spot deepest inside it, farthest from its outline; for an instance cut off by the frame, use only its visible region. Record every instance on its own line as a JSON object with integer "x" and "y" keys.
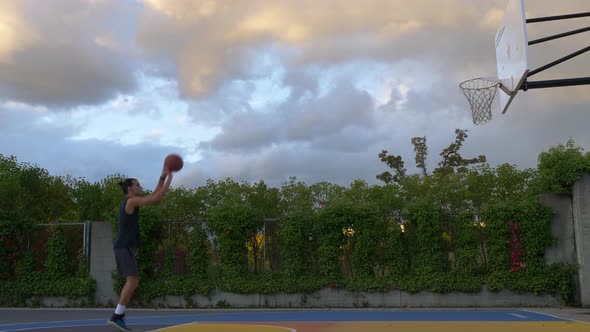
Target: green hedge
{"x": 59, "y": 277}
{"x": 348, "y": 246}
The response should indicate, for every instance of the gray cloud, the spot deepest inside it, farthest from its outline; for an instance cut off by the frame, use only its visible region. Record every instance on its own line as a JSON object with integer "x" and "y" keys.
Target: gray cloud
{"x": 297, "y": 121}
{"x": 57, "y": 77}
{"x": 247, "y": 132}
{"x": 74, "y": 53}
{"x": 47, "y": 144}
{"x": 330, "y": 126}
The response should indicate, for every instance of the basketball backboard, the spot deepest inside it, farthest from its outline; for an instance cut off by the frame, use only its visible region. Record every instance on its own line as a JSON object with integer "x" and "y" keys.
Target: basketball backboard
{"x": 512, "y": 51}
{"x": 513, "y": 66}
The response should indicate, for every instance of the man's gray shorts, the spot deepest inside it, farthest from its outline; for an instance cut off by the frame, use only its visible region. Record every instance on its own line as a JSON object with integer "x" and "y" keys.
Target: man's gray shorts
{"x": 126, "y": 262}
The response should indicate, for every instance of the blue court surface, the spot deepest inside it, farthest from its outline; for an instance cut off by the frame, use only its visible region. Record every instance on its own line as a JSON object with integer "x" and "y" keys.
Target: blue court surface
{"x": 303, "y": 320}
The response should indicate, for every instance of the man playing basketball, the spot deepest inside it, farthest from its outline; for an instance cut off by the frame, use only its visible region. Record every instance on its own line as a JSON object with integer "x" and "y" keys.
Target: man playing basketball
{"x": 128, "y": 239}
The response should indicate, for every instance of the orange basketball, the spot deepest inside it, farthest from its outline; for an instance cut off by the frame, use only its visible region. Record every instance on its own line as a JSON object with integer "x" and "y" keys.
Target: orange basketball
{"x": 173, "y": 162}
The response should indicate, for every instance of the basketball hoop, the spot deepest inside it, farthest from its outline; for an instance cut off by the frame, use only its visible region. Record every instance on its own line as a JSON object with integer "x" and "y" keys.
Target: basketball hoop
{"x": 480, "y": 93}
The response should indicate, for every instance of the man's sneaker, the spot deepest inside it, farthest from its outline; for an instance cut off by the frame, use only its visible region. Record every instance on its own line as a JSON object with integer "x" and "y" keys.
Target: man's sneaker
{"x": 118, "y": 322}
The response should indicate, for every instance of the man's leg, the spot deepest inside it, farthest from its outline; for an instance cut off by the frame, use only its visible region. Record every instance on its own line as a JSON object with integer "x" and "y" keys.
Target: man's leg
{"x": 127, "y": 266}
{"x": 128, "y": 290}
{"x": 124, "y": 299}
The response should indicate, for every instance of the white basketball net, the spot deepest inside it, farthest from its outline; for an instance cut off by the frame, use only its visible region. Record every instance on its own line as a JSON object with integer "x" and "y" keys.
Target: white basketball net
{"x": 480, "y": 93}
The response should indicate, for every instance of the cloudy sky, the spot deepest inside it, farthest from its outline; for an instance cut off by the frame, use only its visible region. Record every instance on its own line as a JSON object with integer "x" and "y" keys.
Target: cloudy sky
{"x": 264, "y": 90}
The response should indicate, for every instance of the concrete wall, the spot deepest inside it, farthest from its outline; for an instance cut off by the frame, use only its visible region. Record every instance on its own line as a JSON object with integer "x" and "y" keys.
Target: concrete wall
{"x": 102, "y": 262}
{"x": 338, "y": 298}
{"x": 562, "y": 228}
{"x": 581, "y": 216}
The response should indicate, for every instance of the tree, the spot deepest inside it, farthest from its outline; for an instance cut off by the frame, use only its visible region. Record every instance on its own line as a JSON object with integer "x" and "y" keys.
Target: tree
{"x": 421, "y": 151}
{"x": 60, "y": 202}
{"x": 394, "y": 162}
{"x": 182, "y": 204}
{"x": 88, "y": 199}
{"x": 218, "y": 192}
{"x": 358, "y": 191}
{"x": 446, "y": 186}
{"x": 29, "y": 193}
{"x": 234, "y": 223}
{"x": 323, "y": 193}
{"x": 264, "y": 199}
{"x": 111, "y": 196}
{"x": 296, "y": 196}
{"x": 561, "y": 166}
{"x": 452, "y": 160}
{"x": 264, "y": 243}
{"x": 387, "y": 198}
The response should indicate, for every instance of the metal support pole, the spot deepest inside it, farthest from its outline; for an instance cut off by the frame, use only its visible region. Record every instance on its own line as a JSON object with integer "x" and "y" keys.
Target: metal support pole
{"x": 264, "y": 248}
{"x": 560, "y": 35}
{"x": 558, "y": 61}
{"x": 557, "y": 17}
{"x": 555, "y": 83}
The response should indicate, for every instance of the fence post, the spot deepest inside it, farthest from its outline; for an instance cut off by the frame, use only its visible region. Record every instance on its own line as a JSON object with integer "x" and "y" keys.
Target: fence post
{"x": 86, "y": 244}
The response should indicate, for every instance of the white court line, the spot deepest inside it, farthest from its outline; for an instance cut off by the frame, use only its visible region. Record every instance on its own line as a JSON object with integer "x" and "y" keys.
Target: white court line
{"x": 518, "y": 315}
{"x": 197, "y": 323}
{"x": 550, "y": 315}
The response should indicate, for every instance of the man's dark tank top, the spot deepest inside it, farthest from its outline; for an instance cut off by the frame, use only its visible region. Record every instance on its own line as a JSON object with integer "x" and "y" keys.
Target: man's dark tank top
{"x": 128, "y": 228}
